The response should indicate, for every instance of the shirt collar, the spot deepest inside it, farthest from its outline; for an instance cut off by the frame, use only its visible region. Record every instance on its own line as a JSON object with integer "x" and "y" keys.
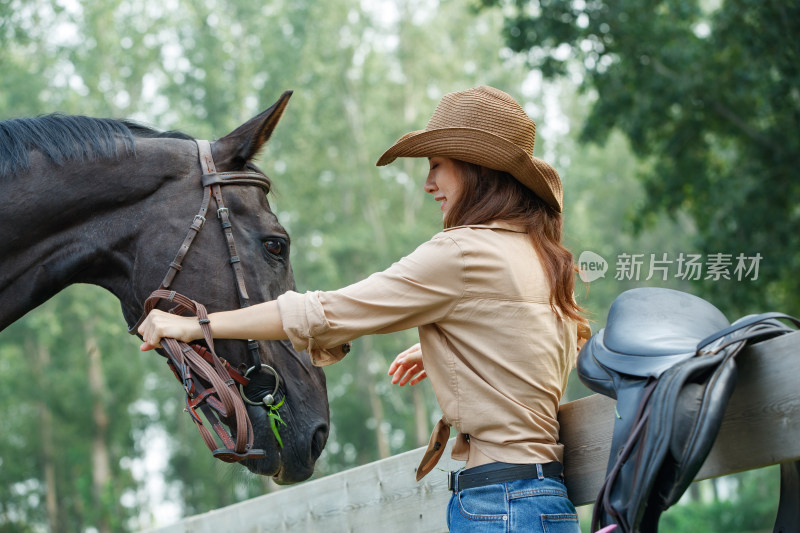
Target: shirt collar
{"x": 494, "y": 224}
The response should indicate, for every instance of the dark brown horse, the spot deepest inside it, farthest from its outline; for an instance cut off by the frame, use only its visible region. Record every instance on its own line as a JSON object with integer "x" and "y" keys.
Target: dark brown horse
{"x": 108, "y": 203}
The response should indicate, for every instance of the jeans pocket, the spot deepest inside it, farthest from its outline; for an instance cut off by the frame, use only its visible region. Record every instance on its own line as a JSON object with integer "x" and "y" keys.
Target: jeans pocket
{"x": 484, "y": 503}
{"x": 478, "y": 510}
{"x": 541, "y": 505}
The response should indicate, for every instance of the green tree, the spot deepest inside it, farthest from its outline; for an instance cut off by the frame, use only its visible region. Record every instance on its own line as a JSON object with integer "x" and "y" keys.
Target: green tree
{"x": 706, "y": 92}
{"x": 70, "y": 432}
{"x": 68, "y": 378}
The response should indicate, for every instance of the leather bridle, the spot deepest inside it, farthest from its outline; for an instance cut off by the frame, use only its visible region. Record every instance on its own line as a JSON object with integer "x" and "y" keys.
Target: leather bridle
{"x": 210, "y": 381}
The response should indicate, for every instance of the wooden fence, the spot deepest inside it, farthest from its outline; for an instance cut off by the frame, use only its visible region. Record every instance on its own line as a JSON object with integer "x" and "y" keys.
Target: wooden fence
{"x": 761, "y": 428}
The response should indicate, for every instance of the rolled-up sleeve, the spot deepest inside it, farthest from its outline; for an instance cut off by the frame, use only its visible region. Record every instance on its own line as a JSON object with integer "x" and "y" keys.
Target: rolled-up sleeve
{"x": 419, "y": 289}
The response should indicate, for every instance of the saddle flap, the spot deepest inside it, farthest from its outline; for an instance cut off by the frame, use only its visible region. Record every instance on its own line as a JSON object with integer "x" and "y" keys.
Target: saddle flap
{"x": 695, "y": 412}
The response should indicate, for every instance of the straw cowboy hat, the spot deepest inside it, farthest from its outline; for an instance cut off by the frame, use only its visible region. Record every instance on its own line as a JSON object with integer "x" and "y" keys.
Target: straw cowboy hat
{"x": 484, "y": 126}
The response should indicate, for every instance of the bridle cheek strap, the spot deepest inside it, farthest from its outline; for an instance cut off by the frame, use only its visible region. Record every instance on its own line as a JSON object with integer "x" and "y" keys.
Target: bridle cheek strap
{"x": 213, "y": 180}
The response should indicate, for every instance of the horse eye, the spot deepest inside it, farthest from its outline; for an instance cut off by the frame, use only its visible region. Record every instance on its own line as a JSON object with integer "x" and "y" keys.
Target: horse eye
{"x": 274, "y": 247}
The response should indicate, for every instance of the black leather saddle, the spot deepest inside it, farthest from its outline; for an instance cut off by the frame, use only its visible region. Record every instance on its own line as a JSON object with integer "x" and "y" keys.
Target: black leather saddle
{"x": 668, "y": 358}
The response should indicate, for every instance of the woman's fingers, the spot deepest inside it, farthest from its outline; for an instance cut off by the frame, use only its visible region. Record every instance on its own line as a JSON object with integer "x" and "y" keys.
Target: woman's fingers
{"x": 404, "y": 374}
{"x": 407, "y": 367}
{"x": 422, "y": 375}
{"x": 413, "y": 375}
{"x": 400, "y": 360}
{"x": 159, "y": 324}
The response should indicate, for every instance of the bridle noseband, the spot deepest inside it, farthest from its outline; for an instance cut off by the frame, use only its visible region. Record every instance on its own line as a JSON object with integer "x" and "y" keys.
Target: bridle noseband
{"x": 209, "y": 380}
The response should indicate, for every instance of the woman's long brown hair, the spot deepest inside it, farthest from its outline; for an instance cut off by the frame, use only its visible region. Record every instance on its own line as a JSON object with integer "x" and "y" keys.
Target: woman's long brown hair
{"x": 488, "y": 195}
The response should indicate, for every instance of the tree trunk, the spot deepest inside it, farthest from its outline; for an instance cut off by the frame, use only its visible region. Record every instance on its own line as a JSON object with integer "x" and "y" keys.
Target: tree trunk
{"x": 376, "y": 406}
{"x": 375, "y": 402}
{"x": 715, "y": 488}
{"x": 42, "y": 358}
{"x": 694, "y": 492}
{"x": 101, "y": 469}
{"x": 421, "y": 426}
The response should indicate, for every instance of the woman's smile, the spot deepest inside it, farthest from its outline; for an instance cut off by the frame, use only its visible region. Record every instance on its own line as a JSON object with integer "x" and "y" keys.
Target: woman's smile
{"x": 443, "y": 181}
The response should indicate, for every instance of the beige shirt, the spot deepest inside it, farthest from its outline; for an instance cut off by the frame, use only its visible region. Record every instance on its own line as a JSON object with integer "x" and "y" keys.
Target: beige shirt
{"x": 497, "y": 356}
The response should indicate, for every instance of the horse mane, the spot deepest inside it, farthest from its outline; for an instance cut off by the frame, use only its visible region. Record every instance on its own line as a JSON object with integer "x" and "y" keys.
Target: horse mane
{"x": 65, "y": 138}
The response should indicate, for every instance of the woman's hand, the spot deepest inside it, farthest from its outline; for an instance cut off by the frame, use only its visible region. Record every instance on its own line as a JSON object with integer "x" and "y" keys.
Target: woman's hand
{"x": 159, "y": 324}
{"x": 407, "y": 367}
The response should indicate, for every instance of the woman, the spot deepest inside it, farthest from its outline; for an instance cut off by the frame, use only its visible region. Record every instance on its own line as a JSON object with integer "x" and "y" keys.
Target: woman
{"x": 492, "y": 297}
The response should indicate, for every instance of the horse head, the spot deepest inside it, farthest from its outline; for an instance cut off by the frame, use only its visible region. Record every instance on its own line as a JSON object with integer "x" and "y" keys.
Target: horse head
{"x": 108, "y": 202}
{"x": 206, "y": 274}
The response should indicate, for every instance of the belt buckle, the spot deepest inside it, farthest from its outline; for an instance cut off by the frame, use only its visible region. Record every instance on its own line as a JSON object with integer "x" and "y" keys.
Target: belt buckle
{"x": 451, "y": 481}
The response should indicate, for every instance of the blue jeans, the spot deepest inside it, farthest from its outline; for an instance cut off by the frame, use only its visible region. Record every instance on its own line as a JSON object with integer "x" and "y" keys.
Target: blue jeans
{"x": 526, "y": 505}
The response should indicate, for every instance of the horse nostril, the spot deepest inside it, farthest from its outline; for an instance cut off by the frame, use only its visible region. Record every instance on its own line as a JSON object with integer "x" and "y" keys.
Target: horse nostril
{"x": 318, "y": 440}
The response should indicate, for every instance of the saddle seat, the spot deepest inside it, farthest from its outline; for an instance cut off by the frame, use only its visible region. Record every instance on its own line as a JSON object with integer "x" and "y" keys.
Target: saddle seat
{"x": 648, "y": 331}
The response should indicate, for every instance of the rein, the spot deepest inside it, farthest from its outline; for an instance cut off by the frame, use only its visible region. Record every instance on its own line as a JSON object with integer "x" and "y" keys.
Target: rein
{"x": 210, "y": 382}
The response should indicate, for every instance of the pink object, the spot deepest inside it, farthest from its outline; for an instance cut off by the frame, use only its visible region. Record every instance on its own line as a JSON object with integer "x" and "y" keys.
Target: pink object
{"x": 606, "y": 529}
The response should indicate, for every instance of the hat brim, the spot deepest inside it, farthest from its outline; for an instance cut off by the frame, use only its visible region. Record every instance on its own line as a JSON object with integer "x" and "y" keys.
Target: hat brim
{"x": 481, "y": 148}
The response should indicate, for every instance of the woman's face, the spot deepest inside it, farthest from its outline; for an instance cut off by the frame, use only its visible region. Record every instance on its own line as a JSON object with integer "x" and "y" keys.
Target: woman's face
{"x": 444, "y": 182}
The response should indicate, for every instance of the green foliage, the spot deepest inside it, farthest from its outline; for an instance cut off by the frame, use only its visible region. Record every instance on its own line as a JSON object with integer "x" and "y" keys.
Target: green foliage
{"x": 275, "y": 421}
{"x": 756, "y": 491}
{"x": 707, "y": 93}
{"x": 746, "y": 502}
{"x": 48, "y": 405}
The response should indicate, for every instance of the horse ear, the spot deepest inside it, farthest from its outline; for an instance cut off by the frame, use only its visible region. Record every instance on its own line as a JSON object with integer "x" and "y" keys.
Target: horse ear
{"x": 243, "y": 143}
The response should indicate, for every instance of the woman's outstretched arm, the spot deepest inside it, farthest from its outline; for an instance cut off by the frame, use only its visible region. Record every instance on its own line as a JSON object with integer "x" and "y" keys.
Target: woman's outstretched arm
{"x": 259, "y": 322}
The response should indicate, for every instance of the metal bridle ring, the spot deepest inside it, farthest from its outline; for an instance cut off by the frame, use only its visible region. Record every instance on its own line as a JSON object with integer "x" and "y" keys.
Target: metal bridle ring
{"x": 267, "y": 400}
